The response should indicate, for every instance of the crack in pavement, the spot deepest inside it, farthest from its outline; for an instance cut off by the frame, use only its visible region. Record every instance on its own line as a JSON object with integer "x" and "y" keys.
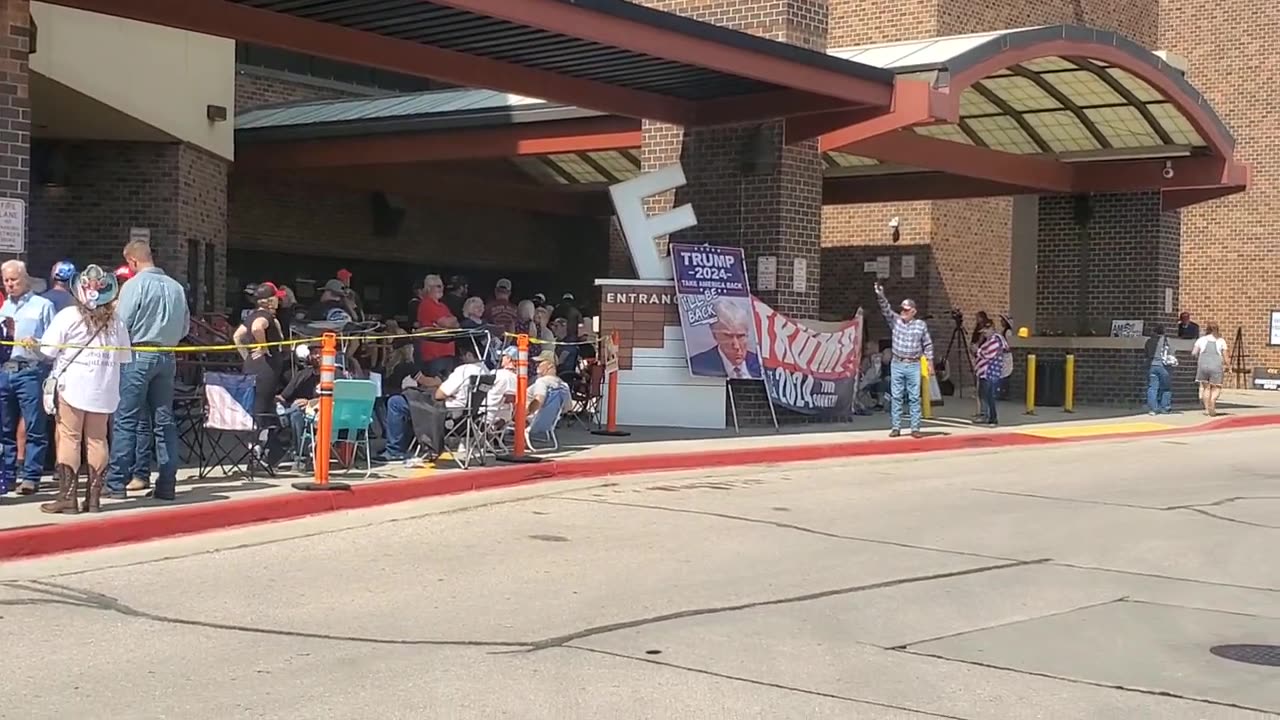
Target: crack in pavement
{"x": 1017, "y": 621}
{"x": 1198, "y": 508}
{"x": 1091, "y": 683}
{"x": 764, "y": 683}
{"x": 56, "y": 594}
{"x": 786, "y": 526}
{"x": 698, "y": 612}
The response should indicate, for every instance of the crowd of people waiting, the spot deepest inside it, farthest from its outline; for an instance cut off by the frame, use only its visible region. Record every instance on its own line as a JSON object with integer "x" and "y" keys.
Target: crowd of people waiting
{"x": 88, "y": 367}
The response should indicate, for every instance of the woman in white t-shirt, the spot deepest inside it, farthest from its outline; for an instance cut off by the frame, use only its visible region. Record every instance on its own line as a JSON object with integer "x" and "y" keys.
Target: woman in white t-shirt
{"x": 1210, "y": 352}
{"x": 87, "y": 343}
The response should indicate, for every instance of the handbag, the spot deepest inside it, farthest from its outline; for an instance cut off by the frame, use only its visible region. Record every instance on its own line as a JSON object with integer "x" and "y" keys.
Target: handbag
{"x": 49, "y": 389}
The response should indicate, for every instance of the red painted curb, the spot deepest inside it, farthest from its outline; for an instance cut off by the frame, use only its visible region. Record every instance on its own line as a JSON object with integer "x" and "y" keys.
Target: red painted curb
{"x": 110, "y": 529}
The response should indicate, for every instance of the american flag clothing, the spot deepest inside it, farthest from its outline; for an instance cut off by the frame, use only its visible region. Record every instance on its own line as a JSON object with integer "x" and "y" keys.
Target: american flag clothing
{"x": 989, "y": 363}
{"x": 911, "y": 340}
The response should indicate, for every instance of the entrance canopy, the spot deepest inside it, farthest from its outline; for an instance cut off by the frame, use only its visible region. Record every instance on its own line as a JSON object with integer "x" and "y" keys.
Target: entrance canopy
{"x": 609, "y": 55}
{"x": 1053, "y": 109}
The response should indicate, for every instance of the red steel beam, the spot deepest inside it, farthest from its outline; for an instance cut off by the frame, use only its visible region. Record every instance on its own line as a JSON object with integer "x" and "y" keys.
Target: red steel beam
{"x": 860, "y": 189}
{"x": 565, "y": 136}
{"x": 244, "y": 23}
{"x": 1178, "y": 198}
{"x": 904, "y": 147}
{"x": 1186, "y": 172}
{"x": 915, "y": 102}
{"x": 582, "y": 22}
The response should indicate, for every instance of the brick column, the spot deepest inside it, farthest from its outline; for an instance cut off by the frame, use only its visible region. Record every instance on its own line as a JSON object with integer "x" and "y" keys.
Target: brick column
{"x": 15, "y": 102}
{"x": 202, "y": 226}
{"x": 1105, "y": 257}
{"x": 748, "y": 188}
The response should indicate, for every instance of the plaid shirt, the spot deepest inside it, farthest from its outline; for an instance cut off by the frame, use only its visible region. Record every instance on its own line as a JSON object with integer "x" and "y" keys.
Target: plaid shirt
{"x": 910, "y": 339}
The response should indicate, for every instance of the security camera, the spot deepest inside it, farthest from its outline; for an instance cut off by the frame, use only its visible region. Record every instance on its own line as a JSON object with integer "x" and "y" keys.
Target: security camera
{"x": 1168, "y": 170}
{"x": 893, "y": 223}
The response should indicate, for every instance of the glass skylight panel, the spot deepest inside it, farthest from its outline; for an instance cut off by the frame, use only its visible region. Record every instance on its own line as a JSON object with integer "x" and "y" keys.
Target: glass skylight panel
{"x": 951, "y": 133}
{"x": 577, "y": 169}
{"x": 534, "y": 168}
{"x": 1021, "y": 93}
{"x": 971, "y": 103}
{"x": 847, "y": 160}
{"x": 1136, "y": 85}
{"x": 1063, "y": 131}
{"x": 1123, "y": 126}
{"x": 1002, "y": 133}
{"x": 1084, "y": 88}
{"x": 1180, "y": 131}
{"x": 616, "y": 164}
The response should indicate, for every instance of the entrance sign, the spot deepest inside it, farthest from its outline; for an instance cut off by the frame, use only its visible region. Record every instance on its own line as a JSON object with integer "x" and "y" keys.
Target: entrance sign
{"x": 641, "y": 229}
{"x": 807, "y": 371}
{"x": 716, "y": 312}
{"x": 13, "y": 226}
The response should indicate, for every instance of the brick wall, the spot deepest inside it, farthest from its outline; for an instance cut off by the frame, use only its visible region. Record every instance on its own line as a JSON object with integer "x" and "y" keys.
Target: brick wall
{"x": 1105, "y": 376}
{"x": 176, "y": 191}
{"x": 256, "y": 87}
{"x": 15, "y": 102}
{"x": 1228, "y": 244}
{"x": 1130, "y": 258}
{"x": 280, "y": 216}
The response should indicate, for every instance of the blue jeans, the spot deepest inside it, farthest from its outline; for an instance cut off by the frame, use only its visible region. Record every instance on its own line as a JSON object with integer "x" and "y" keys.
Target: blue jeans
{"x": 989, "y": 390}
{"x": 142, "y": 461}
{"x": 1159, "y": 391}
{"x": 904, "y": 379}
{"x": 399, "y": 425}
{"x": 295, "y": 418}
{"x": 21, "y": 396}
{"x": 146, "y": 390}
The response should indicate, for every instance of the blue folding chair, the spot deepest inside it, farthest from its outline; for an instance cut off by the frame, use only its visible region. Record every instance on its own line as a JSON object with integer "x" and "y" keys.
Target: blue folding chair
{"x": 353, "y": 415}
{"x": 547, "y": 418}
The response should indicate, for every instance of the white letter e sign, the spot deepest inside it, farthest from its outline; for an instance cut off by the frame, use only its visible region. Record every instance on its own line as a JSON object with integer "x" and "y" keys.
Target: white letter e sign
{"x": 642, "y": 230}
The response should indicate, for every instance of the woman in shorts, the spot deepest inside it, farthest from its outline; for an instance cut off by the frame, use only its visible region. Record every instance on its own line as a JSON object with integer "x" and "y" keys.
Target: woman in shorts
{"x": 1210, "y": 352}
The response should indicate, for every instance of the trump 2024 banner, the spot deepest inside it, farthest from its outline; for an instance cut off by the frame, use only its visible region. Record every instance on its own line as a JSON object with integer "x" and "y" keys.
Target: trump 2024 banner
{"x": 806, "y": 370}
{"x": 716, "y": 311}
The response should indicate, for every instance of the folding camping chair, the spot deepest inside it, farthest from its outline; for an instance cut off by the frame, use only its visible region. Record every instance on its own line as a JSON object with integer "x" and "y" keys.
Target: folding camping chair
{"x": 228, "y": 400}
{"x": 470, "y": 427}
{"x": 544, "y": 422}
{"x": 352, "y": 414}
{"x": 586, "y": 397}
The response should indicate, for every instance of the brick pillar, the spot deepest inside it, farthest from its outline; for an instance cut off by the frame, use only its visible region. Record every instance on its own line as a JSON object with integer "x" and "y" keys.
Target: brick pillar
{"x": 620, "y": 265}
{"x": 202, "y": 227}
{"x": 1105, "y": 257}
{"x": 15, "y": 102}
{"x": 748, "y": 188}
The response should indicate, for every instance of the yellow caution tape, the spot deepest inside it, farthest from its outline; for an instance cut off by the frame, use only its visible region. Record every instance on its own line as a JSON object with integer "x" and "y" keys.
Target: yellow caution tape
{"x": 293, "y": 342}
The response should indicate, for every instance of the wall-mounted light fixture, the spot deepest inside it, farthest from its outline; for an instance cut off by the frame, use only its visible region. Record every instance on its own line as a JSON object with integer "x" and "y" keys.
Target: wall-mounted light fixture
{"x": 894, "y": 234}
{"x": 216, "y": 113}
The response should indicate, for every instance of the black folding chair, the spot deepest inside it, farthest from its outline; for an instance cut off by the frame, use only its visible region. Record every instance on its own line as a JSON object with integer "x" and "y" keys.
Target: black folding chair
{"x": 233, "y": 435}
{"x": 470, "y": 426}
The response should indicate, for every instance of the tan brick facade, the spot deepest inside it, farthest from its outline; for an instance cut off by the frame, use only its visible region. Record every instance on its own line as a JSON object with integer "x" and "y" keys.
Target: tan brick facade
{"x": 256, "y": 87}
{"x": 1229, "y": 245}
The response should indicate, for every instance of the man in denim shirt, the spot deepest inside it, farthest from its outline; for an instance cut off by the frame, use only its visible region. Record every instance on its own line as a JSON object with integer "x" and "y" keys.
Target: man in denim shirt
{"x": 154, "y": 309}
{"x": 22, "y": 379}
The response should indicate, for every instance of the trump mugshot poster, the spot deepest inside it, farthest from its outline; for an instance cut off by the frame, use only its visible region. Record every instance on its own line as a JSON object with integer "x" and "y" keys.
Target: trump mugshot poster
{"x": 716, "y": 311}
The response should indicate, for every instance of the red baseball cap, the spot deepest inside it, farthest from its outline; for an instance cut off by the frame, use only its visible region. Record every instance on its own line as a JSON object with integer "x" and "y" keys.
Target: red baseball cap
{"x": 123, "y": 273}
{"x": 344, "y": 275}
{"x": 267, "y": 290}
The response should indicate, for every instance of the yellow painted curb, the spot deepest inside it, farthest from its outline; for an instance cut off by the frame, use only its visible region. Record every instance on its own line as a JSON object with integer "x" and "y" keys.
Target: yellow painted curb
{"x": 1094, "y": 430}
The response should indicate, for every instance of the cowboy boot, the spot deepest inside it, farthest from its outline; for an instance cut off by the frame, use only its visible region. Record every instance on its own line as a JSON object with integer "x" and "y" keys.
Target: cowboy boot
{"x": 66, "y": 501}
{"x": 93, "y": 493}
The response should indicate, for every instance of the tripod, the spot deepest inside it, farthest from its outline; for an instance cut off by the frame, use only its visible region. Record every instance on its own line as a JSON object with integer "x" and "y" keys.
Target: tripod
{"x": 961, "y": 343}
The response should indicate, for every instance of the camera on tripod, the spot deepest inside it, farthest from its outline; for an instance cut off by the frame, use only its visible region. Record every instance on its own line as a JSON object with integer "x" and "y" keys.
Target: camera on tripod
{"x": 957, "y": 316}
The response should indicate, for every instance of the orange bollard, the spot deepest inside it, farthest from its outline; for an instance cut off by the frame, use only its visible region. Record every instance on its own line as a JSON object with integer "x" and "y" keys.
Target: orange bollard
{"x": 323, "y": 449}
{"x": 521, "y": 409}
{"x": 611, "y": 369}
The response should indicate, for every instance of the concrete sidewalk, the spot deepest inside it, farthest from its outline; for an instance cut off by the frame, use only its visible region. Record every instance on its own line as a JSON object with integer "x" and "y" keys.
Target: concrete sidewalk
{"x": 222, "y": 502}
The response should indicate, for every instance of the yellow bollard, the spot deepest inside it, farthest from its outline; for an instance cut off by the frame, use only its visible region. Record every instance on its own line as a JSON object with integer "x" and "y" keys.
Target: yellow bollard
{"x": 1069, "y": 391}
{"x": 1031, "y": 384}
{"x": 926, "y": 396}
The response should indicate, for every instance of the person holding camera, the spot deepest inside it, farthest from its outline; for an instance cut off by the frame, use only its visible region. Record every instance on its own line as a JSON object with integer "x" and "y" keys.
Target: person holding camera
{"x": 911, "y": 341}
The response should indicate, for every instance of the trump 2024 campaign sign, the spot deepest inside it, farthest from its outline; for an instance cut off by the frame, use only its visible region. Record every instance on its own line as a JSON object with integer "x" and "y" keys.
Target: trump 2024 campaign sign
{"x": 716, "y": 311}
